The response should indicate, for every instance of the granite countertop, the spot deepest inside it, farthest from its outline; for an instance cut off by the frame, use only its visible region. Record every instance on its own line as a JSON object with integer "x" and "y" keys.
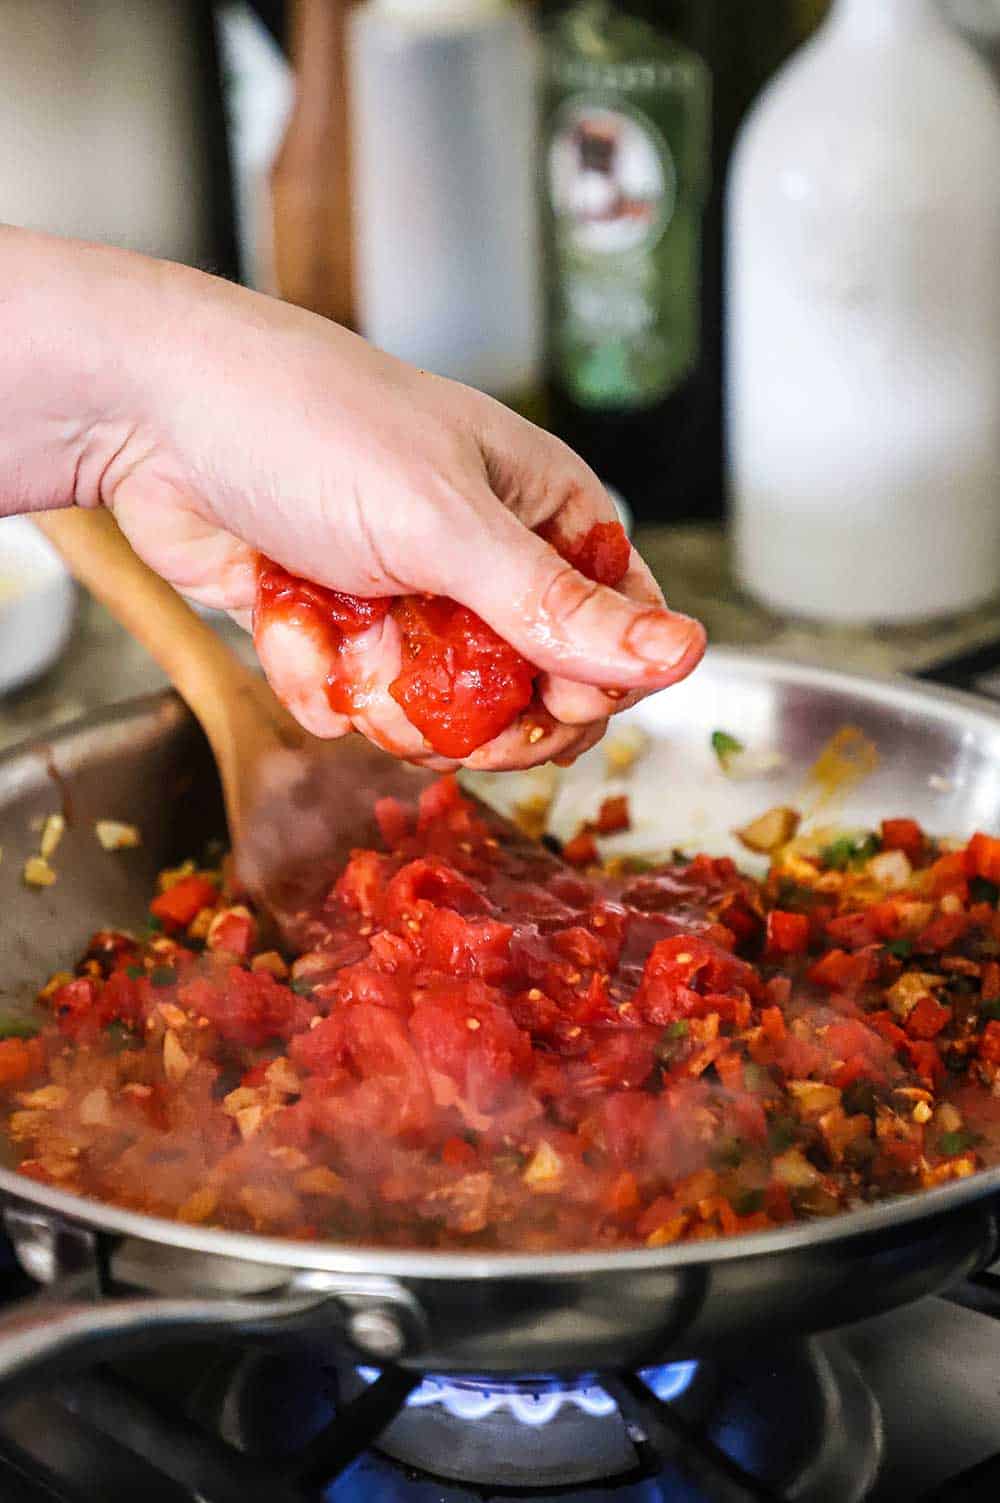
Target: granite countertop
{"x": 103, "y": 665}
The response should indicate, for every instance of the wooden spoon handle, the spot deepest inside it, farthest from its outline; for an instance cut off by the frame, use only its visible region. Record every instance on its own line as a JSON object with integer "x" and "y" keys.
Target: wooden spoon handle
{"x": 235, "y": 707}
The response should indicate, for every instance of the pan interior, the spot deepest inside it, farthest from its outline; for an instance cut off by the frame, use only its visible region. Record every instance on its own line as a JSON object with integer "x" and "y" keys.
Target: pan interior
{"x": 146, "y": 763}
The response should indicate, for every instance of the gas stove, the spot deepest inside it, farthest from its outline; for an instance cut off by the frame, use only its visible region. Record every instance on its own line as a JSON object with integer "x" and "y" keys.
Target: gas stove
{"x": 903, "y": 1406}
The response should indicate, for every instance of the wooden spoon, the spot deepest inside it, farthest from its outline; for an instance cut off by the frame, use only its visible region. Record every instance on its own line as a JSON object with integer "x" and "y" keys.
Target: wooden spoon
{"x": 296, "y": 806}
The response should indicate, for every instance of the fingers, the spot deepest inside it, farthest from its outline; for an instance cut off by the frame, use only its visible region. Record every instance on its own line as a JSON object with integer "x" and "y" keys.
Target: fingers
{"x": 574, "y": 703}
{"x": 579, "y": 633}
{"x": 534, "y": 738}
{"x": 304, "y": 670}
{"x": 297, "y": 664}
{"x": 562, "y": 622}
{"x": 205, "y": 563}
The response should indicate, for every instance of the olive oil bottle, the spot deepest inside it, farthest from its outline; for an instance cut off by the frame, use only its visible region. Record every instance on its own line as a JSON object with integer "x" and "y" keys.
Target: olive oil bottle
{"x": 642, "y": 101}
{"x": 626, "y": 178}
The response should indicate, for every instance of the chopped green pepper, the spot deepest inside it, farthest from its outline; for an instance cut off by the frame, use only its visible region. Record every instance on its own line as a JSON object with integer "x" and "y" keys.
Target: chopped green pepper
{"x": 858, "y": 1098}
{"x": 746, "y": 1202}
{"x": 18, "y": 1028}
{"x": 725, "y": 747}
{"x": 951, "y": 1143}
{"x": 982, "y": 890}
{"x": 755, "y": 1077}
{"x": 845, "y": 852}
{"x": 301, "y": 986}
{"x": 901, "y": 948}
{"x": 728, "y": 1155}
{"x": 780, "y": 1133}
{"x": 119, "y": 1035}
{"x": 163, "y": 975}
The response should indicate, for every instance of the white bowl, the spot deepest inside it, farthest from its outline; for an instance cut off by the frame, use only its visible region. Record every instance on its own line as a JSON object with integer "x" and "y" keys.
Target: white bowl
{"x": 38, "y": 603}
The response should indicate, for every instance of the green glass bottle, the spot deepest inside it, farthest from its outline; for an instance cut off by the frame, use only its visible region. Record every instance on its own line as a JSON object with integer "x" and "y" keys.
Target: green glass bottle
{"x": 627, "y": 174}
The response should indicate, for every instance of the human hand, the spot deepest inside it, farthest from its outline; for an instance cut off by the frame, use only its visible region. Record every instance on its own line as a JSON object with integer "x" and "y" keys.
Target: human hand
{"x": 218, "y": 424}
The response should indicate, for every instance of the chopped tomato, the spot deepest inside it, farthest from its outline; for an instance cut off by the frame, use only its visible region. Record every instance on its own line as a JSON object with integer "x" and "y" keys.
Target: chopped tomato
{"x": 729, "y": 1068}
{"x": 478, "y": 1046}
{"x": 460, "y": 683}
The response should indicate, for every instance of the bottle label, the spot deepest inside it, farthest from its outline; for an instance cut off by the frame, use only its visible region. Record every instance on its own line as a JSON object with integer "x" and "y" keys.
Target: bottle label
{"x": 625, "y": 250}
{"x": 612, "y": 180}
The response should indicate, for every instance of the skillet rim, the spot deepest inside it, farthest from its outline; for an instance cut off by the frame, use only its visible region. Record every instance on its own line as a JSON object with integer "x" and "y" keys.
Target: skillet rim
{"x": 354, "y": 1259}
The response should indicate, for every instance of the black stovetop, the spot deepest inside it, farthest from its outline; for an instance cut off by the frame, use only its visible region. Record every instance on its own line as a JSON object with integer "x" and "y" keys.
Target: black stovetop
{"x": 905, "y": 1406}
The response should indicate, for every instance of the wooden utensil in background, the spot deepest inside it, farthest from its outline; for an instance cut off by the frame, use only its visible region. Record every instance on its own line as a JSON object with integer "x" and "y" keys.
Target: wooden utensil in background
{"x": 311, "y": 176}
{"x": 296, "y": 806}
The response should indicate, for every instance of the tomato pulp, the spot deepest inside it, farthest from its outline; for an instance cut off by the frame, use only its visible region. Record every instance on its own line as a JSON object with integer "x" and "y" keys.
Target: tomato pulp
{"x": 459, "y": 682}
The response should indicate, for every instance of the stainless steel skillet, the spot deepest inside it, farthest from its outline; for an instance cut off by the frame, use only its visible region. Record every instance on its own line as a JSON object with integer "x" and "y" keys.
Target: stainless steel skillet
{"x": 118, "y": 1279}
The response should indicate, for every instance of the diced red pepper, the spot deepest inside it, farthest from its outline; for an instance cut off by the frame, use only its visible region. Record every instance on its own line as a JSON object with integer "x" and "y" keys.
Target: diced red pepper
{"x": 458, "y": 1154}
{"x": 990, "y": 985}
{"x": 787, "y": 933}
{"x": 181, "y": 903}
{"x": 613, "y": 815}
{"x": 925, "y": 1058}
{"x": 942, "y": 932}
{"x": 623, "y": 1197}
{"x": 982, "y": 857}
{"x": 840, "y": 971}
{"x": 902, "y": 835}
{"x": 729, "y": 1068}
{"x": 927, "y": 1019}
{"x": 234, "y": 934}
{"x": 773, "y": 1023}
{"x": 989, "y": 1044}
{"x": 581, "y": 850}
{"x": 20, "y": 1059}
{"x": 885, "y": 1024}
{"x": 948, "y": 875}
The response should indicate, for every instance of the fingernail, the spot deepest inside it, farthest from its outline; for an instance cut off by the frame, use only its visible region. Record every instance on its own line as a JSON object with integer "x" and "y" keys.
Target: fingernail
{"x": 663, "y": 641}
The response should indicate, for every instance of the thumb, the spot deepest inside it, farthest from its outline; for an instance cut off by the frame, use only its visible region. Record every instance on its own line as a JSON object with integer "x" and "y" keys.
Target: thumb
{"x": 558, "y": 619}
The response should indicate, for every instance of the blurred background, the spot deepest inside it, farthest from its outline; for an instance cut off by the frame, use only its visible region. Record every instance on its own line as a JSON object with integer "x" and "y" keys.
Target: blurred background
{"x": 744, "y": 257}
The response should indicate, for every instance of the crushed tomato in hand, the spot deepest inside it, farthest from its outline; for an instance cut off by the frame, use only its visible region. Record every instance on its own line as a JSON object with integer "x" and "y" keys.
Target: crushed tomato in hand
{"x": 460, "y": 683}
{"x": 485, "y": 1048}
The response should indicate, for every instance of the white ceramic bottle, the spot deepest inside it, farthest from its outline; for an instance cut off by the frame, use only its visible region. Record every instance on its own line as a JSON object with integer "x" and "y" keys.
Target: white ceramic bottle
{"x": 863, "y": 275}
{"x": 443, "y": 107}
